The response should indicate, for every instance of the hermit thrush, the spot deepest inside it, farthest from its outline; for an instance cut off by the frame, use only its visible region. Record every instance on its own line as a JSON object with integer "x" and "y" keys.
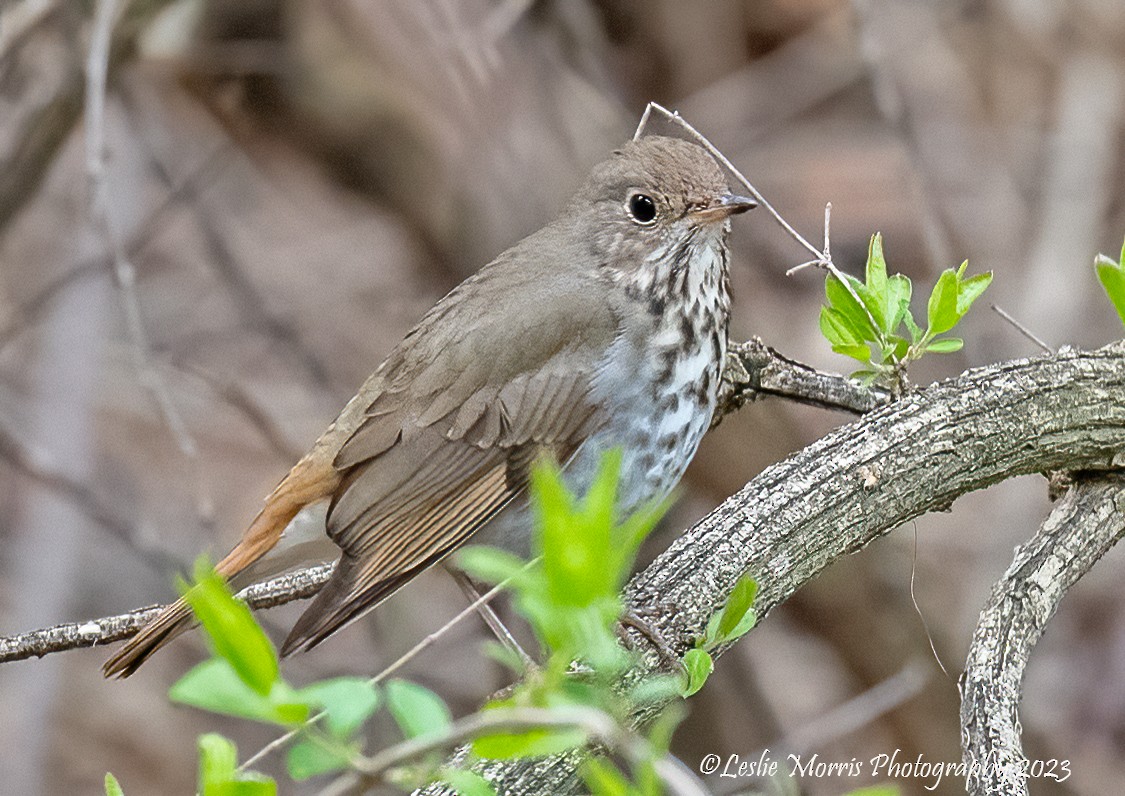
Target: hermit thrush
{"x": 605, "y": 329}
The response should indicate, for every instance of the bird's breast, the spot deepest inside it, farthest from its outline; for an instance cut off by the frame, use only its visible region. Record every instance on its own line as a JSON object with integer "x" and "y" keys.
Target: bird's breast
{"x": 659, "y": 382}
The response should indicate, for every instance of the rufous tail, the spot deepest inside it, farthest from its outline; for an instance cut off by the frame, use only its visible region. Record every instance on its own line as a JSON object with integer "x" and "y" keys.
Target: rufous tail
{"x": 310, "y": 480}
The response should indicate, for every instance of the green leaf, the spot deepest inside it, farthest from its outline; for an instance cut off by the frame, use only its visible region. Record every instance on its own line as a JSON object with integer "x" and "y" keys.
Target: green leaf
{"x": 489, "y": 564}
{"x": 836, "y": 328}
{"x": 853, "y": 311}
{"x": 969, "y": 290}
{"x": 308, "y": 759}
{"x": 1112, "y": 277}
{"x": 698, "y": 665}
{"x": 219, "y": 775}
{"x": 875, "y": 790}
{"x": 876, "y": 269}
{"x": 942, "y": 309}
{"x": 417, "y": 710}
{"x": 112, "y": 786}
{"x": 233, "y": 633}
{"x": 738, "y": 606}
{"x": 946, "y": 345}
{"x": 349, "y": 701}
{"x": 656, "y": 689}
{"x": 466, "y": 782}
{"x": 899, "y": 289}
{"x": 528, "y": 743}
{"x": 858, "y": 352}
{"x": 214, "y": 685}
{"x": 603, "y": 778}
{"x": 916, "y": 332}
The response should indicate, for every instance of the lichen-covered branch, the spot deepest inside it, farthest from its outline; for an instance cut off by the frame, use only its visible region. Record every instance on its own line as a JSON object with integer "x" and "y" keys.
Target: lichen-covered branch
{"x": 1083, "y": 525}
{"x": 297, "y": 585}
{"x": 918, "y": 454}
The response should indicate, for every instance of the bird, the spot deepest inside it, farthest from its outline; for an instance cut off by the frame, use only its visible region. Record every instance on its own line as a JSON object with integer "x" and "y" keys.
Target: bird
{"x": 606, "y": 329}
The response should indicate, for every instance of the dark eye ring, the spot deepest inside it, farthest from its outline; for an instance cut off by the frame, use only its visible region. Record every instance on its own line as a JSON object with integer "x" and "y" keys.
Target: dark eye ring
{"x": 642, "y": 208}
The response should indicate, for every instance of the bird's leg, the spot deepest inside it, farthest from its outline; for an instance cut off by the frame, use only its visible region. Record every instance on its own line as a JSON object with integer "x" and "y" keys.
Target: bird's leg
{"x": 503, "y": 635}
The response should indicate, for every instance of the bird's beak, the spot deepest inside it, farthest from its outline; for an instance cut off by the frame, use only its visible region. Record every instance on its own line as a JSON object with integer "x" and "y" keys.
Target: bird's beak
{"x": 723, "y": 207}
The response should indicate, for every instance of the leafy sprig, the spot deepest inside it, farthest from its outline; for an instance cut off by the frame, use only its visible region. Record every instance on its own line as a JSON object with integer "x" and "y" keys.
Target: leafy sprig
{"x": 1112, "y": 276}
{"x": 871, "y": 321}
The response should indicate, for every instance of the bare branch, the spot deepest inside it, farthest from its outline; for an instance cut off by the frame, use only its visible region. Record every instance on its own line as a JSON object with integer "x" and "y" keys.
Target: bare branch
{"x": 1086, "y": 522}
{"x": 286, "y": 588}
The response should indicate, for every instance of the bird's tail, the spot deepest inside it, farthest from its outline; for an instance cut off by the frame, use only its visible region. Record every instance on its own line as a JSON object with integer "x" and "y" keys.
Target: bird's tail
{"x": 306, "y": 483}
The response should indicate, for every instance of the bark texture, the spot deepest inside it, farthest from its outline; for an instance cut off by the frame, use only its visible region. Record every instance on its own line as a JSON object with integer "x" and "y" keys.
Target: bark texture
{"x": 1086, "y": 522}
{"x": 919, "y": 454}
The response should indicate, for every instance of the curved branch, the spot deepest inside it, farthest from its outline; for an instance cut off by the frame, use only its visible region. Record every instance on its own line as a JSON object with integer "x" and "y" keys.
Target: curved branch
{"x": 1085, "y": 523}
{"x": 1062, "y": 412}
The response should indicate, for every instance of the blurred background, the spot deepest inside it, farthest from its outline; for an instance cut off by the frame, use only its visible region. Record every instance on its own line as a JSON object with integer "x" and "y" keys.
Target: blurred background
{"x": 195, "y": 277}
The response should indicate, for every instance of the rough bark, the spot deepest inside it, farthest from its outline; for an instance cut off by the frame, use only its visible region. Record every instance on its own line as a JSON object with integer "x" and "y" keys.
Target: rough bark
{"x": 1085, "y": 523}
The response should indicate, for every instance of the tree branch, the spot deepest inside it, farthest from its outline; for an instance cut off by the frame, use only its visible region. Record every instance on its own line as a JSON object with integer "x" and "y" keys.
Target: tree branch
{"x": 298, "y": 585}
{"x": 1062, "y": 412}
{"x": 1085, "y": 523}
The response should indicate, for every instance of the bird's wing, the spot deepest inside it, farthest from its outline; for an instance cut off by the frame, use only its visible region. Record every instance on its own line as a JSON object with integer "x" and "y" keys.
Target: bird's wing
{"x": 447, "y": 442}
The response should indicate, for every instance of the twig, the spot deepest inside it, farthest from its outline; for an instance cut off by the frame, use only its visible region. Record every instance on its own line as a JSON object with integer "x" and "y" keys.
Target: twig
{"x": 402, "y": 660}
{"x": 1019, "y": 327}
{"x": 1084, "y": 524}
{"x": 822, "y": 257}
{"x": 675, "y": 118}
{"x": 600, "y": 728}
{"x": 297, "y": 585}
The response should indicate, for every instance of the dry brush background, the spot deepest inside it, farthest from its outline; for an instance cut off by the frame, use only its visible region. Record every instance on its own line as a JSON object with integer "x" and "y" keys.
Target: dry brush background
{"x": 293, "y": 183}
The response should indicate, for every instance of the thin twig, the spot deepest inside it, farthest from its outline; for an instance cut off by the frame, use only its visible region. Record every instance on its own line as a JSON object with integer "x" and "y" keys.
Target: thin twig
{"x": 675, "y": 118}
{"x": 823, "y": 257}
{"x": 1019, "y": 327}
{"x": 402, "y": 660}
{"x": 600, "y": 728}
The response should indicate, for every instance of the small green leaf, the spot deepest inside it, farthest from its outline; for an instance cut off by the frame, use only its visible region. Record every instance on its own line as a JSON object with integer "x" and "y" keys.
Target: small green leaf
{"x": 349, "y": 701}
{"x": 214, "y": 685}
{"x": 698, "y": 665}
{"x": 858, "y": 352}
{"x": 603, "y": 778}
{"x": 969, "y": 290}
{"x": 853, "y": 311}
{"x": 836, "y": 329}
{"x": 899, "y": 289}
{"x": 219, "y": 775}
{"x": 528, "y": 743}
{"x": 466, "y": 782}
{"x": 945, "y": 345}
{"x": 737, "y": 606}
{"x": 875, "y": 790}
{"x": 231, "y": 629}
{"x": 876, "y": 270}
{"x": 112, "y": 786}
{"x": 1112, "y": 277}
{"x": 489, "y": 564}
{"x": 417, "y": 710}
{"x": 941, "y": 311}
{"x": 308, "y": 759}
{"x": 916, "y": 332}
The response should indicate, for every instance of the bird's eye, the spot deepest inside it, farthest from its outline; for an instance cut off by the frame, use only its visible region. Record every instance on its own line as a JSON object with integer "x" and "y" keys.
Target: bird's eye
{"x": 642, "y": 208}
